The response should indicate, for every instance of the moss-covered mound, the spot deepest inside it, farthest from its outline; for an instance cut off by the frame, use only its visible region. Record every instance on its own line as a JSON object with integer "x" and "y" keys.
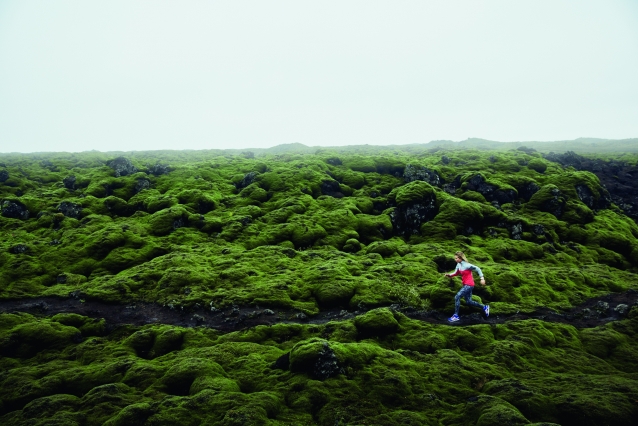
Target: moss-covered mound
{"x": 58, "y": 371}
{"x": 350, "y": 230}
{"x": 308, "y": 232}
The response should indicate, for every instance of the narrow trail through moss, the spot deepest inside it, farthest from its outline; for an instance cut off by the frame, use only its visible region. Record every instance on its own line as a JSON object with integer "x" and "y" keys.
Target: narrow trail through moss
{"x": 591, "y": 313}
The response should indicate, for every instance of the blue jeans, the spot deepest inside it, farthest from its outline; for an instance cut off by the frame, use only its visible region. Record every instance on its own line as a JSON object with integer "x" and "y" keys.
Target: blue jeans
{"x": 466, "y": 293}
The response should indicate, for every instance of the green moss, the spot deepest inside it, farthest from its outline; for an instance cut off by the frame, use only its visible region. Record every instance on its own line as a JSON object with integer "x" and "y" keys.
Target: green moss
{"x": 413, "y": 192}
{"x": 198, "y": 236}
{"x": 377, "y": 321}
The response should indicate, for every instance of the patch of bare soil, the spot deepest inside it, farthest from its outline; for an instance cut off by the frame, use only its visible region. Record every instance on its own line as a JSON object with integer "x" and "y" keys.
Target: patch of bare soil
{"x": 593, "y": 312}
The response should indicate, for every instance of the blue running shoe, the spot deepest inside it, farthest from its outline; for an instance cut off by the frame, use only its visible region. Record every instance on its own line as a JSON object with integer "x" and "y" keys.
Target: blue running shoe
{"x": 454, "y": 318}
{"x": 486, "y": 309}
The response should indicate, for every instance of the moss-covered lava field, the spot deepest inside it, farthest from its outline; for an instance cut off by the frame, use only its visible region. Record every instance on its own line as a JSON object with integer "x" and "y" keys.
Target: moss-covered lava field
{"x": 230, "y": 288}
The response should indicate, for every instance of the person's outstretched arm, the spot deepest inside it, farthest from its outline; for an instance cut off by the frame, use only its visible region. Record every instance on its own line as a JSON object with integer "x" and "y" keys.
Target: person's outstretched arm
{"x": 455, "y": 273}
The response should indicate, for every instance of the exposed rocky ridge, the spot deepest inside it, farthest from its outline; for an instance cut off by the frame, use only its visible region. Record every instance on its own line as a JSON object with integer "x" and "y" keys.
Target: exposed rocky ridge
{"x": 617, "y": 177}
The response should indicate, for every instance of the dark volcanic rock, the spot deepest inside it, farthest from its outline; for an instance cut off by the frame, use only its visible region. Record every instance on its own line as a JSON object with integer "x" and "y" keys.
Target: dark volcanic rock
{"x": 122, "y": 166}
{"x": 477, "y": 183}
{"x": 4, "y": 175}
{"x": 19, "y": 249}
{"x": 141, "y": 185}
{"x": 526, "y": 190}
{"x": 587, "y": 196}
{"x": 412, "y": 173}
{"x": 69, "y": 182}
{"x": 331, "y": 188}
{"x": 451, "y": 187}
{"x": 158, "y": 169}
{"x": 334, "y": 161}
{"x": 490, "y": 192}
{"x": 70, "y": 209}
{"x": 327, "y": 364}
{"x": 504, "y": 196}
{"x": 14, "y": 210}
{"x": 538, "y": 229}
{"x": 407, "y": 219}
{"x": 283, "y": 362}
{"x": 247, "y": 180}
{"x": 445, "y": 159}
{"x": 516, "y": 231}
{"x": 568, "y": 159}
{"x": 555, "y": 205}
{"x": 616, "y": 177}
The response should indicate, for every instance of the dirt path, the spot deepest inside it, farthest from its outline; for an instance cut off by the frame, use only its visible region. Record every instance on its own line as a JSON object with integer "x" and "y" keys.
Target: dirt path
{"x": 591, "y": 313}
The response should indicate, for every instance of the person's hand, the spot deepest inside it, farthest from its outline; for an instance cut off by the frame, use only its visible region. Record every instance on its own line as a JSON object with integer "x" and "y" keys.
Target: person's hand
{"x": 482, "y": 281}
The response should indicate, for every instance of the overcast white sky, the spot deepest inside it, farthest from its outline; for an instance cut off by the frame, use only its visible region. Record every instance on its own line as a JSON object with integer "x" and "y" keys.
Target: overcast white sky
{"x": 141, "y": 75}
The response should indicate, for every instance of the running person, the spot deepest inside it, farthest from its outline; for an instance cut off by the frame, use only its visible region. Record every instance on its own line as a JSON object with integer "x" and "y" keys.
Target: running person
{"x": 464, "y": 269}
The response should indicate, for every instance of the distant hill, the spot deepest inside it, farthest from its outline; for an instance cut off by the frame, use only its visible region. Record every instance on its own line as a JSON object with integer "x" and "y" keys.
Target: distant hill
{"x": 580, "y": 145}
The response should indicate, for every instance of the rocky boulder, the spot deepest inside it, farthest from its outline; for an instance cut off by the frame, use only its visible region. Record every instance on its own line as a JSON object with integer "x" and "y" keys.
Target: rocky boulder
{"x": 568, "y": 159}
{"x": 14, "y": 210}
{"x": 549, "y": 199}
{"x": 69, "y": 182}
{"x": 526, "y": 190}
{"x": 490, "y": 192}
{"x": 316, "y": 358}
{"x": 18, "y": 249}
{"x": 70, "y": 209}
{"x": 158, "y": 169}
{"x": 331, "y": 188}
{"x": 141, "y": 185}
{"x": 4, "y": 175}
{"x": 412, "y": 173}
{"x": 416, "y": 204}
{"x": 247, "y": 180}
{"x": 586, "y": 195}
{"x": 122, "y": 166}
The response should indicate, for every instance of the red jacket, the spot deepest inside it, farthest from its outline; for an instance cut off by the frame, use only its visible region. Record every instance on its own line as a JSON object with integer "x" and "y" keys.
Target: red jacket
{"x": 464, "y": 269}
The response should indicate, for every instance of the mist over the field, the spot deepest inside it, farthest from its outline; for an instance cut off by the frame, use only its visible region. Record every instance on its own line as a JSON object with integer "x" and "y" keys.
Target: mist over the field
{"x": 78, "y": 76}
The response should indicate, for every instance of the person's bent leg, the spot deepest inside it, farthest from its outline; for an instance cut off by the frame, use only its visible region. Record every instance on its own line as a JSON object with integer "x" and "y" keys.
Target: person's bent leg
{"x": 457, "y": 301}
{"x": 468, "y": 298}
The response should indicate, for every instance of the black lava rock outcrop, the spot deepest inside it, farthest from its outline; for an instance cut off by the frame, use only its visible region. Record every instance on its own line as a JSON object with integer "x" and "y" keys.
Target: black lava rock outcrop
{"x": 587, "y": 196}
{"x": 617, "y": 177}
{"x": 490, "y": 192}
{"x": 4, "y": 175}
{"x": 407, "y": 219}
{"x": 141, "y": 185}
{"x": 247, "y": 180}
{"x": 69, "y": 182}
{"x": 327, "y": 364}
{"x": 122, "y": 166}
{"x": 415, "y": 204}
{"x": 70, "y": 209}
{"x": 555, "y": 204}
{"x": 331, "y": 188}
{"x": 18, "y": 249}
{"x": 158, "y": 169}
{"x": 14, "y": 210}
{"x": 412, "y": 173}
{"x": 526, "y": 190}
